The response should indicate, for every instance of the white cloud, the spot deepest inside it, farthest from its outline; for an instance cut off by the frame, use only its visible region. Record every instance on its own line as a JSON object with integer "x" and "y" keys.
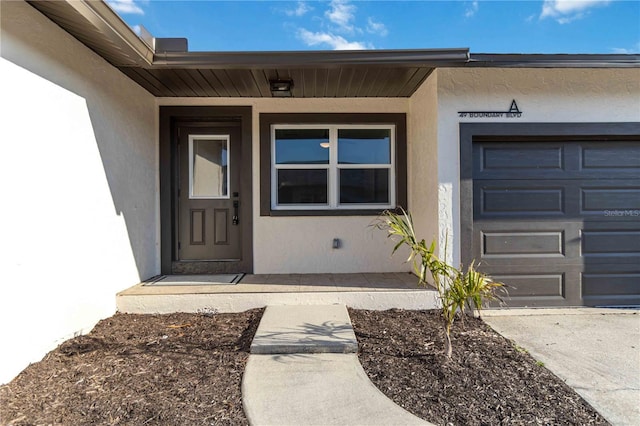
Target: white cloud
{"x": 336, "y": 42}
{"x": 301, "y": 9}
{"x": 341, "y": 14}
{"x": 337, "y": 25}
{"x": 472, "y": 9}
{"x": 626, "y": 51}
{"x": 378, "y": 28}
{"x": 125, "y": 6}
{"x": 565, "y": 11}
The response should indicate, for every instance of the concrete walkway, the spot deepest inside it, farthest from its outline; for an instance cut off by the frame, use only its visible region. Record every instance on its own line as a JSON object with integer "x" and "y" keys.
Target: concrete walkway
{"x": 595, "y": 351}
{"x": 304, "y": 370}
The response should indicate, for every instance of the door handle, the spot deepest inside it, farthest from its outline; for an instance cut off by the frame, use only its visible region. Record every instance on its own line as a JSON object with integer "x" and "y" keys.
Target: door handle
{"x": 236, "y": 219}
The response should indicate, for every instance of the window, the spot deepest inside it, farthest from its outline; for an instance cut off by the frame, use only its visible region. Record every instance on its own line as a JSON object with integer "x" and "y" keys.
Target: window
{"x": 332, "y": 164}
{"x": 208, "y": 166}
{"x": 324, "y": 167}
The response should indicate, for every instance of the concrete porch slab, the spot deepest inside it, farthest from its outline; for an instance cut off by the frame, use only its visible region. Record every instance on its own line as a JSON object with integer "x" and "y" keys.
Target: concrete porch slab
{"x": 305, "y": 329}
{"x": 360, "y": 291}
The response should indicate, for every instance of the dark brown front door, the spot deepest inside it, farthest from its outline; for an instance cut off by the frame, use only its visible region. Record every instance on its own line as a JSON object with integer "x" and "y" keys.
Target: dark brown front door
{"x": 208, "y": 199}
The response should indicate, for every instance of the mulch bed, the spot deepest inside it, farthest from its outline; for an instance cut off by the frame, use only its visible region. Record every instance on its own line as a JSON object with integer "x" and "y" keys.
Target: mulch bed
{"x": 488, "y": 381}
{"x": 176, "y": 369}
{"x": 186, "y": 369}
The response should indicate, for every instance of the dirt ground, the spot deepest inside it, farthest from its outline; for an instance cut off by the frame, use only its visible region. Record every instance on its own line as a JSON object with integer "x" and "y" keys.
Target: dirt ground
{"x": 186, "y": 369}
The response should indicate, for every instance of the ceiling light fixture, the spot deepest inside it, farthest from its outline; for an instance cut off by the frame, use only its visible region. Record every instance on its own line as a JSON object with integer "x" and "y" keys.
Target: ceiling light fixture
{"x": 281, "y": 88}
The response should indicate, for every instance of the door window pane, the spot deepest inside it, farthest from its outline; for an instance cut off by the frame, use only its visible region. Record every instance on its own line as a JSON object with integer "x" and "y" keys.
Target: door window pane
{"x": 364, "y": 186}
{"x": 209, "y": 168}
{"x": 302, "y": 186}
{"x": 364, "y": 146}
{"x": 302, "y": 146}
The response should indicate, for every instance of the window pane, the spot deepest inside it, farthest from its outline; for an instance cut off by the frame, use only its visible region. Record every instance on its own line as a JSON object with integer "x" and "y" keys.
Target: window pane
{"x": 302, "y": 186}
{"x": 364, "y": 146}
{"x": 209, "y": 168}
{"x": 302, "y": 146}
{"x": 364, "y": 186}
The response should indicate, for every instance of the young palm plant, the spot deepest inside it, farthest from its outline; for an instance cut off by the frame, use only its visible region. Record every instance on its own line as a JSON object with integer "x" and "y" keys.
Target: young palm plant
{"x": 456, "y": 288}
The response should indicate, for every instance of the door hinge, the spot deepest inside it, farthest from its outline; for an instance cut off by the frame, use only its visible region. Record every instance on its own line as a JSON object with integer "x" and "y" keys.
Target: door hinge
{"x": 179, "y": 245}
{"x": 179, "y": 192}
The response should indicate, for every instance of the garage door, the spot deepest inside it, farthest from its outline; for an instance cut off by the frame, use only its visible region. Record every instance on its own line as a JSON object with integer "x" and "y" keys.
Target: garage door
{"x": 558, "y": 219}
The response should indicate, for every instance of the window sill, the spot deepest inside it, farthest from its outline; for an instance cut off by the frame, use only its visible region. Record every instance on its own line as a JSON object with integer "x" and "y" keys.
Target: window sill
{"x": 368, "y": 212}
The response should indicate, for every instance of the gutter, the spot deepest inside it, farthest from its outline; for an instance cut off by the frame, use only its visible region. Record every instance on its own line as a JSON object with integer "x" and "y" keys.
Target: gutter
{"x": 312, "y": 59}
{"x": 554, "y": 60}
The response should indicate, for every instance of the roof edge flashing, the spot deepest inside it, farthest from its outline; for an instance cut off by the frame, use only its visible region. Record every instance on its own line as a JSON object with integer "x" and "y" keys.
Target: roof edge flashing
{"x": 555, "y": 60}
{"x": 318, "y": 58}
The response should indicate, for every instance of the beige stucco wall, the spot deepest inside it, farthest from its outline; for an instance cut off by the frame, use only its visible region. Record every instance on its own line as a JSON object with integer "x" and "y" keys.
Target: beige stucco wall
{"x": 543, "y": 95}
{"x": 423, "y": 157}
{"x": 78, "y": 178}
{"x": 303, "y": 244}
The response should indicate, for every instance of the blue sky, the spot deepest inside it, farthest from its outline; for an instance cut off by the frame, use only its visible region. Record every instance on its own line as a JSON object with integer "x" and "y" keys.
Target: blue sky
{"x": 543, "y": 26}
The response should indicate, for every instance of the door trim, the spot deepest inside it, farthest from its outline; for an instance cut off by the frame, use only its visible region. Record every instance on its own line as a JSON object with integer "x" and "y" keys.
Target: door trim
{"x": 170, "y": 118}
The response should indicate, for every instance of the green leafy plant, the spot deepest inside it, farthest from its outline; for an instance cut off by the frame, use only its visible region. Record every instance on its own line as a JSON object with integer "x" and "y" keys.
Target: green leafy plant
{"x": 457, "y": 289}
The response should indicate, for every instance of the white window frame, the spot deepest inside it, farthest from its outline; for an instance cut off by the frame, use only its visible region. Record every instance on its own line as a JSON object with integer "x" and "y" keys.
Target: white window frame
{"x": 333, "y": 169}
{"x": 193, "y": 138}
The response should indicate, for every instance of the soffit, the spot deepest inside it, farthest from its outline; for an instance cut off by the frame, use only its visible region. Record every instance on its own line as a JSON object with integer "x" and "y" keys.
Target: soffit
{"x": 307, "y": 82}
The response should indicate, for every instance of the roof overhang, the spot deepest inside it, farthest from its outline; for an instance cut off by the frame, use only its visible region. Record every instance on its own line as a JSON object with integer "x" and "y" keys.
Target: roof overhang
{"x": 96, "y": 25}
{"x": 366, "y": 73}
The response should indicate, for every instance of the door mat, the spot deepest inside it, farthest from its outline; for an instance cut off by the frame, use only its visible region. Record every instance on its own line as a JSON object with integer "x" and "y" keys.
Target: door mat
{"x": 215, "y": 279}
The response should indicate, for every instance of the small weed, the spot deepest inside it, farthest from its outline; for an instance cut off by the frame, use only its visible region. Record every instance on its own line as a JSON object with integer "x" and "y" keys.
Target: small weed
{"x": 540, "y": 363}
{"x": 520, "y": 349}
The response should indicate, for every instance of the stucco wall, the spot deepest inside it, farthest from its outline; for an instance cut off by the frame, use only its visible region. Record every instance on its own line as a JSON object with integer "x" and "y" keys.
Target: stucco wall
{"x": 303, "y": 244}
{"x": 79, "y": 186}
{"x": 423, "y": 159}
{"x": 543, "y": 95}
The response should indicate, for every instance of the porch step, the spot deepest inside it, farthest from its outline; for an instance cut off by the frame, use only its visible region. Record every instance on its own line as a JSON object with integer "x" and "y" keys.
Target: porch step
{"x": 359, "y": 291}
{"x": 305, "y": 329}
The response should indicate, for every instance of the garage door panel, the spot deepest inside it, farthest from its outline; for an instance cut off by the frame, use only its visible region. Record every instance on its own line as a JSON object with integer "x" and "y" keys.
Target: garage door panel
{"x": 612, "y": 283}
{"x": 515, "y": 200}
{"x": 527, "y": 286}
{"x": 608, "y": 198}
{"x": 531, "y": 244}
{"x": 534, "y": 285}
{"x": 610, "y": 243}
{"x": 498, "y": 200}
{"x": 530, "y": 160}
{"x": 506, "y": 242}
{"x": 524, "y": 157}
{"x": 613, "y": 155}
{"x": 619, "y": 287}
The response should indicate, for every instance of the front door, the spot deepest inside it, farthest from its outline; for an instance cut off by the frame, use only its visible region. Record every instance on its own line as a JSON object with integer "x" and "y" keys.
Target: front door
{"x": 209, "y": 224}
